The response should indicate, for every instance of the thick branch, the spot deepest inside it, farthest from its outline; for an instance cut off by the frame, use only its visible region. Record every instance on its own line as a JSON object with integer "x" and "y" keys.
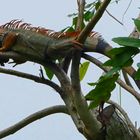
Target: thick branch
{"x": 130, "y": 124}
{"x": 38, "y": 115}
{"x": 119, "y": 81}
{"x": 60, "y": 74}
{"x": 92, "y": 127}
{"x": 32, "y": 77}
{"x": 77, "y": 54}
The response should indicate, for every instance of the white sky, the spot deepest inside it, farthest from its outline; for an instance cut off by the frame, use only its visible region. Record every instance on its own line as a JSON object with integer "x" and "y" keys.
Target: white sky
{"x": 19, "y": 97}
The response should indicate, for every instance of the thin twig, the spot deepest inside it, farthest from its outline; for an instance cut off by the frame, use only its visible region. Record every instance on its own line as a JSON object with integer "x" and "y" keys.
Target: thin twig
{"x": 33, "y": 117}
{"x": 66, "y": 63}
{"x": 129, "y": 123}
{"x": 119, "y": 81}
{"x": 81, "y": 6}
{"x": 126, "y": 9}
{"x": 32, "y": 77}
{"x": 113, "y": 17}
{"x": 126, "y": 78}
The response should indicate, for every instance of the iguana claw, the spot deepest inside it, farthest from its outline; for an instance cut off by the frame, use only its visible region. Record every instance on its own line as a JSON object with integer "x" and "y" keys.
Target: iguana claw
{"x": 77, "y": 45}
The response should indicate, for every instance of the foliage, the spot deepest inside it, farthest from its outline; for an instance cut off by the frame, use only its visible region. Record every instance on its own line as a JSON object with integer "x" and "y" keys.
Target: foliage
{"x": 102, "y": 91}
{"x": 69, "y": 87}
{"x": 120, "y": 57}
{"x": 83, "y": 69}
{"x": 89, "y": 11}
{"x": 49, "y": 73}
{"x": 123, "y": 56}
{"x": 137, "y": 75}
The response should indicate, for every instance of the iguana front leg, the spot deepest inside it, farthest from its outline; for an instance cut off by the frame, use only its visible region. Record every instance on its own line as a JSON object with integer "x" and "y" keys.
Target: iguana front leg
{"x": 7, "y": 39}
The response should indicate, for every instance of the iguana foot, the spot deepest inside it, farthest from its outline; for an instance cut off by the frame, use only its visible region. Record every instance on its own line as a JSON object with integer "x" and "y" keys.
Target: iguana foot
{"x": 77, "y": 45}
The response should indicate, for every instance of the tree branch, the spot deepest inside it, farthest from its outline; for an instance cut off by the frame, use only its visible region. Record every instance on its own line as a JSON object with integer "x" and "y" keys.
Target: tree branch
{"x": 59, "y": 72}
{"x": 119, "y": 81}
{"x": 31, "y": 118}
{"x": 86, "y": 31}
{"x": 114, "y": 17}
{"x": 126, "y": 78}
{"x": 77, "y": 54}
{"x": 133, "y": 34}
{"x": 66, "y": 62}
{"x": 91, "y": 125}
{"x": 81, "y": 6}
{"x": 130, "y": 124}
{"x": 32, "y": 77}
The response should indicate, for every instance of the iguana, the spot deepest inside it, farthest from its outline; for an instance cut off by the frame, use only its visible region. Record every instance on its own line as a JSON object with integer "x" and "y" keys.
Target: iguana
{"x": 39, "y": 44}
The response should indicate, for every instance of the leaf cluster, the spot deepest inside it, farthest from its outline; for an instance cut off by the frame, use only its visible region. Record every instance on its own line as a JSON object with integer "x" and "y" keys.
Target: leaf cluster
{"x": 123, "y": 56}
{"x": 120, "y": 57}
{"x": 102, "y": 91}
{"x": 89, "y": 11}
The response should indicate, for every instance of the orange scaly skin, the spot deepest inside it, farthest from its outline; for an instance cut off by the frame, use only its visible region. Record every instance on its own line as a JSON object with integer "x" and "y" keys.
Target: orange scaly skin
{"x": 8, "y": 41}
{"x": 10, "y": 30}
{"x": 22, "y": 37}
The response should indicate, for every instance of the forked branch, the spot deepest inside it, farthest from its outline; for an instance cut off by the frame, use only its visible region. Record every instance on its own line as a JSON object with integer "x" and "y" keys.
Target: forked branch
{"x": 119, "y": 81}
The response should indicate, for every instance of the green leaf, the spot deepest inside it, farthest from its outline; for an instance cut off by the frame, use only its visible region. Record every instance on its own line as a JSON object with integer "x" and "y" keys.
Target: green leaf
{"x": 122, "y": 57}
{"x": 92, "y": 84}
{"x": 97, "y": 5}
{"x": 114, "y": 70}
{"x": 95, "y": 103}
{"x": 137, "y": 75}
{"x": 70, "y": 29}
{"x": 49, "y": 73}
{"x": 88, "y": 15}
{"x": 74, "y": 22}
{"x": 102, "y": 91}
{"x": 137, "y": 23}
{"x": 127, "y": 41}
{"x": 116, "y": 51}
{"x": 83, "y": 69}
{"x": 128, "y": 63}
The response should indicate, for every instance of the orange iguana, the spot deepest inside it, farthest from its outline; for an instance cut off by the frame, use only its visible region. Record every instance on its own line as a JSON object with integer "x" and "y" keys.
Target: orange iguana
{"x": 41, "y": 43}
{"x": 37, "y": 44}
